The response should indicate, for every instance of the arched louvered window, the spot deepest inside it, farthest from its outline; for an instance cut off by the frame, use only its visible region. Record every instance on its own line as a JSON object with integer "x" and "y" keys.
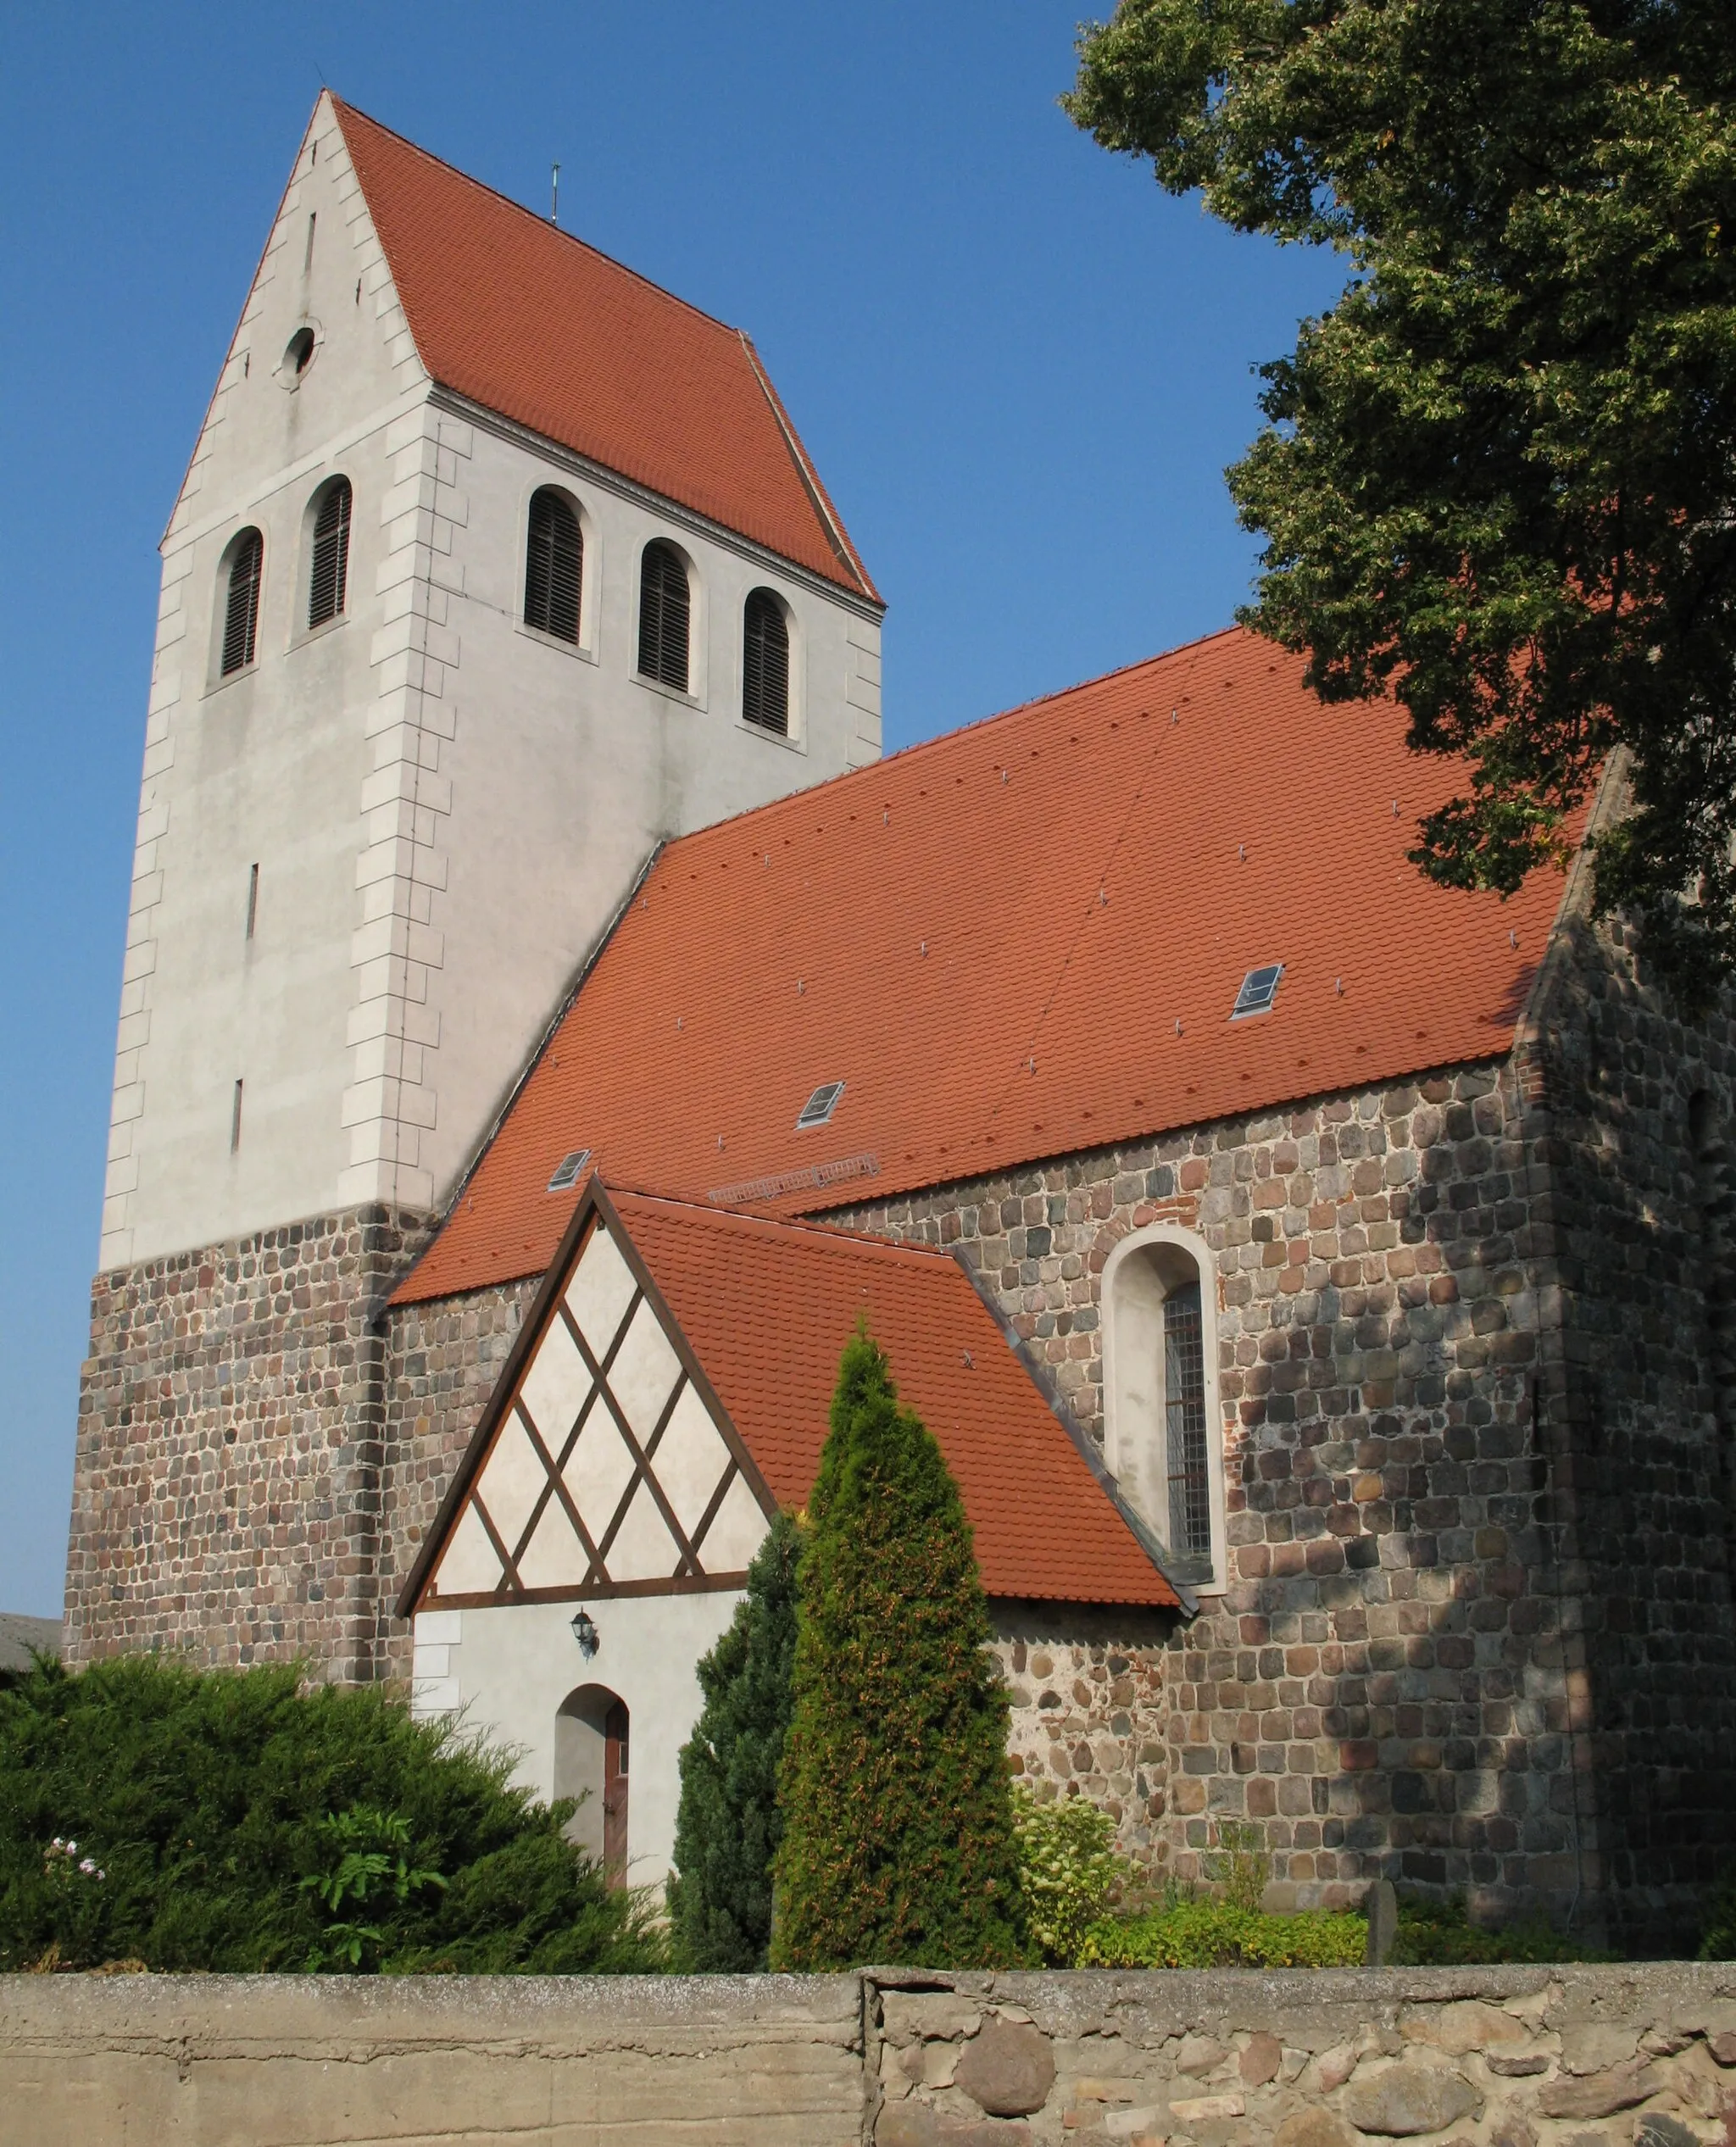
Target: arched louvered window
{"x": 765, "y": 663}
{"x": 328, "y": 584}
{"x": 664, "y": 608}
{"x": 240, "y": 610}
{"x": 554, "y": 566}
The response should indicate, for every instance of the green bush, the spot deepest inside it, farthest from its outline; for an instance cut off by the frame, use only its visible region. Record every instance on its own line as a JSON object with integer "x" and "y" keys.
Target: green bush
{"x": 1069, "y": 1872}
{"x": 1439, "y": 1933}
{"x": 1220, "y": 1934}
{"x": 728, "y": 1825}
{"x": 228, "y": 1820}
{"x": 897, "y": 1798}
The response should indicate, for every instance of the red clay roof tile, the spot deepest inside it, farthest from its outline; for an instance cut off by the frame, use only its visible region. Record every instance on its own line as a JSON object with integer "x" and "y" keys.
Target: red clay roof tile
{"x": 1017, "y": 941}
{"x": 528, "y": 321}
{"x": 767, "y": 1307}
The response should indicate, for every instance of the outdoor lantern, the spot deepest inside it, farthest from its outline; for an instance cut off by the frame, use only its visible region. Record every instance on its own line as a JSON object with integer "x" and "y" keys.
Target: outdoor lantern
{"x": 585, "y": 1632}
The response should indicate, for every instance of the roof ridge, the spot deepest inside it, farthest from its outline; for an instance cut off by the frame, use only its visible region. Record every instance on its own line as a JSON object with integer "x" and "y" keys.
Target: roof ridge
{"x": 797, "y": 798}
{"x": 706, "y": 1212}
{"x": 469, "y": 179}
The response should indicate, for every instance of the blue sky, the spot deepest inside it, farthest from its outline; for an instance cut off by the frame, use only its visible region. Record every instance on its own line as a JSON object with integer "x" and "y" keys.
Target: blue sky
{"x": 1020, "y": 369}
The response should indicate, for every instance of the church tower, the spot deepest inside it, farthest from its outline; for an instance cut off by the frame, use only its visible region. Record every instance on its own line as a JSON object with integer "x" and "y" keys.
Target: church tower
{"x": 494, "y": 566}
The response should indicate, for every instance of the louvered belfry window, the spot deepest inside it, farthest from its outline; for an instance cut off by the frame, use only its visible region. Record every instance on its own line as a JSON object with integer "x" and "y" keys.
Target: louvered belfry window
{"x": 329, "y": 583}
{"x": 554, "y": 567}
{"x": 1184, "y": 1407}
{"x": 766, "y": 663}
{"x": 662, "y": 616}
{"x": 241, "y": 611}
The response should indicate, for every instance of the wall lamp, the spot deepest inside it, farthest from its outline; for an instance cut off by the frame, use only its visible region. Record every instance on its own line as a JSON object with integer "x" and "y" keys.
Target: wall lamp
{"x": 585, "y": 1632}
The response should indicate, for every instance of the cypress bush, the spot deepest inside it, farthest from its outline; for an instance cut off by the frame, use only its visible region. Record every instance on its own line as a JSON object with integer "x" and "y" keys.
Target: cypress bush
{"x": 898, "y": 1843}
{"x": 728, "y": 1825}
{"x": 229, "y": 1820}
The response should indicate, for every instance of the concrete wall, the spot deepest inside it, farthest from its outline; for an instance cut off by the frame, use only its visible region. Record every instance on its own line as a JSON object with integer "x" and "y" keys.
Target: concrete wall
{"x": 536, "y": 2061}
{"x": 1630, "y": 2056}
{"x": 445, "y": 808}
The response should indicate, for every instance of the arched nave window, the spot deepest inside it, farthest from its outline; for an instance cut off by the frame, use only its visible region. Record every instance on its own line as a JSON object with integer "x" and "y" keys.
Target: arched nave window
{"x": 1163, "y": 1427}
{"x": 765, "y": 663}
{"x": 554, "y": 566}
{"x": 666, "y": 606}
{"x": 241, "y": 605}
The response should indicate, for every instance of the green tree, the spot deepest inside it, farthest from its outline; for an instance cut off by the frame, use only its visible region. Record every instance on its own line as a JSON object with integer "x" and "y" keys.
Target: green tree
{"x": 728, "y": 1825}
{"x": 1497, "y": 479}
{"x": 898, "y": 1842}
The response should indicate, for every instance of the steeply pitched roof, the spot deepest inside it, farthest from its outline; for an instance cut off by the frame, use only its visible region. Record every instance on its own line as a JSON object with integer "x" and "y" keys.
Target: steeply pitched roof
{"x": 764, "y": 1308}
{"x": 1018, "y": 941}
{"x": 530, "y": 321}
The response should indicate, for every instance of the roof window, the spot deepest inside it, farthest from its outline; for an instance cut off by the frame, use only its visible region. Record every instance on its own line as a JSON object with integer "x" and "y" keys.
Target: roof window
{"x": 821, "y": 1104}
{"x": 566, "y": 1171}
{"x": 1259, "y": 987}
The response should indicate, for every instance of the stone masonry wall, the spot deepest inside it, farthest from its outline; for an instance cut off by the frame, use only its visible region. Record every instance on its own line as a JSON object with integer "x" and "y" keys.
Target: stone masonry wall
{"x": 1512, "y": 2057}
{"x": 1383, "y": 1685}
{"x": 227, "y": 1479}
{"x": 441, "y": 1362}
{"x": 1090, "y": 1708}
{"x": 1638, "y": 1104}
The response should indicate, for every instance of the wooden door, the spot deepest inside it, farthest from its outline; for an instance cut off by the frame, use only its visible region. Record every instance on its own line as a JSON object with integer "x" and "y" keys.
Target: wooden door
{"x": 614, "y": 1794}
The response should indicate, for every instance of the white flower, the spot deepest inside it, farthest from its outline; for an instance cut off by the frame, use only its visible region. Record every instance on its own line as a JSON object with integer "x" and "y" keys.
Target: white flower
{"x": 87, "y": 1863}
{"x": 72, "y": 1849}
{"x": 102, "y": 1874}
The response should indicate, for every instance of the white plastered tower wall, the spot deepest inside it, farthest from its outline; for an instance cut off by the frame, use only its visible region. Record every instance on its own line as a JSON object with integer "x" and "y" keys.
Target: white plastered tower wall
{"x": 445, "y": 809}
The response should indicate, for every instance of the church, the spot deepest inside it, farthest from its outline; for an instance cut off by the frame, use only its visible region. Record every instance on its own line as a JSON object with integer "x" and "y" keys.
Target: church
{"x": 548, "y": 1027}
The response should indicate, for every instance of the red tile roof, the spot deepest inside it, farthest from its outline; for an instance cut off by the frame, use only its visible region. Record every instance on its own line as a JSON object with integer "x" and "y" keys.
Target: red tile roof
{"x": 767, "y": 1307}
{"x": 1018, "y": 941}
{"x": 530, "y": 321}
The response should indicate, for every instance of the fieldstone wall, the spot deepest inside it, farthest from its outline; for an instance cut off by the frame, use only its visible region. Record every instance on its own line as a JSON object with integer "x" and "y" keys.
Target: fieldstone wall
{"x": 1383, "y": 1686}
{"x": 1090, "y": 1708}
{"x": 443, "y": 1360}
{"x": 1636, "y": 1106}
{"x": 1509, "y": 2057}
{"x": 227, "y": 1494}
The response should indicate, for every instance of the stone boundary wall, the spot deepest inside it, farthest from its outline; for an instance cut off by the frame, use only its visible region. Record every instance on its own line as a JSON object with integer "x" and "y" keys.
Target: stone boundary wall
{"x": 1635, "y": 2055}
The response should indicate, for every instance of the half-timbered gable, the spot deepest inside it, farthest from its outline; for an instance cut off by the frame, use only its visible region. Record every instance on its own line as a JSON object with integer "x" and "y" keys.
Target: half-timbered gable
{"x": 668, "y": 1392}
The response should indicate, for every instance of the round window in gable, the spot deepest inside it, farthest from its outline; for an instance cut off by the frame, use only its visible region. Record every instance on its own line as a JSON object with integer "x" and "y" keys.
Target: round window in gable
{"x": 297, "y": 356}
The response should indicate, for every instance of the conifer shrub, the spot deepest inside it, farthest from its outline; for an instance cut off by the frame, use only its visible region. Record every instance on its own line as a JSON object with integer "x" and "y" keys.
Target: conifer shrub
{"x": 181, "y": 1819}
{"x": 729, "y": 1825}
{"x": 898, "y": 1843}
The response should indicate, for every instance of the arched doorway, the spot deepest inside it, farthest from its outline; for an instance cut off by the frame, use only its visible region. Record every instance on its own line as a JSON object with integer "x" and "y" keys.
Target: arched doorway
{"x": 592, "y": 1748}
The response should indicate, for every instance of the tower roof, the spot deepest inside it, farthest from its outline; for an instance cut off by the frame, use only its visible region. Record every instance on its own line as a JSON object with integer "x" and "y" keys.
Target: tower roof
{"x": 1022, "y": 940}
{"x": 525, "y": 320}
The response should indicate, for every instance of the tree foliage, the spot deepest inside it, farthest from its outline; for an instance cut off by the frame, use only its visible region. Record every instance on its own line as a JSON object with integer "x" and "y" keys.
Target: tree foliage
{"x": 229, "y": 1820}
{"x": 898, "y": 1843}
{"x": 728, "y": 1825}
{"x": 1497, "y": 478}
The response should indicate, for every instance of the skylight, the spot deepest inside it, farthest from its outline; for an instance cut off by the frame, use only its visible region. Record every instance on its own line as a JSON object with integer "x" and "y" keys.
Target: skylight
{"x": 1259, "y": 987}
{"x": 566, "y": 1171}
{"x": 821, "y": 1104}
